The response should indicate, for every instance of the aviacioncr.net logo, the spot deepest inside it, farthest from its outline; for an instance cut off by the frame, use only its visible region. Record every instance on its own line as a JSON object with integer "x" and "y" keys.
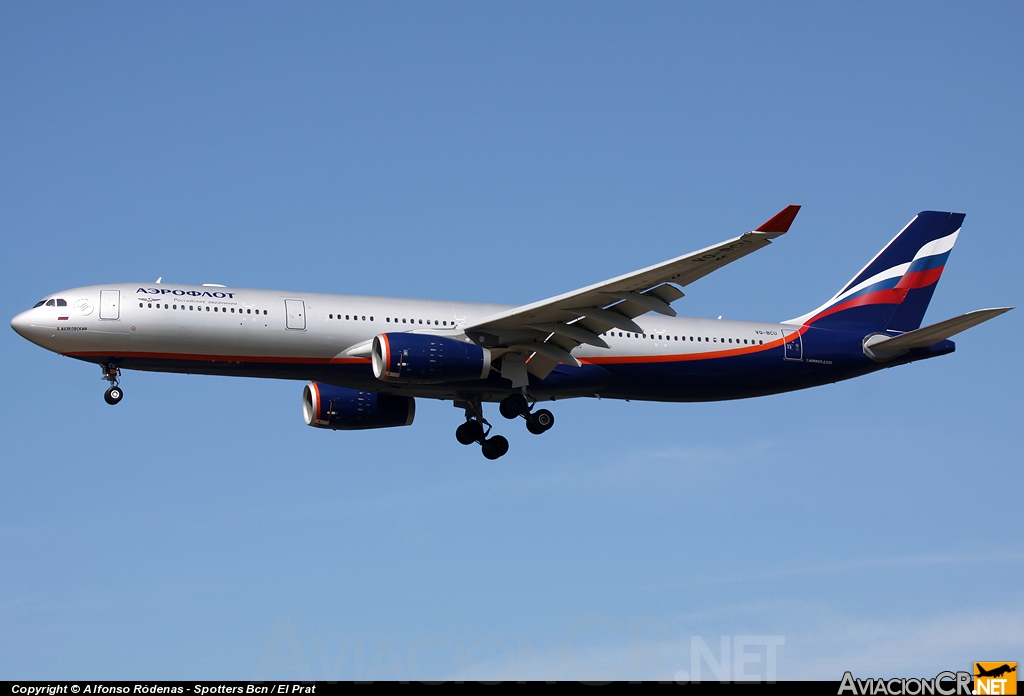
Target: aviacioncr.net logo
{"x": 943, "y": 684}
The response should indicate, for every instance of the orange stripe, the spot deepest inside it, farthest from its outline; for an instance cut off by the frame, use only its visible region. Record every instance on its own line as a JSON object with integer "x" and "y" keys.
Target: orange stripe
{"x": 598, "y": 360}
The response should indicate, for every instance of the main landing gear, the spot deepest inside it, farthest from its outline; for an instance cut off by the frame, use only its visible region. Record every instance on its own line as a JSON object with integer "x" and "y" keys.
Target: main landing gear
{"x": 477, "y": 429}
{"x": 537, "y": 422}
{"x": 113, "y": 395}
{"x": 474, "y": 430}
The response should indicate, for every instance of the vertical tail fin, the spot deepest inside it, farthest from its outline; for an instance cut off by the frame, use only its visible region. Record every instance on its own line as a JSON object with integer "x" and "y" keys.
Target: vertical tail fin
{"x": 893, "y": 291}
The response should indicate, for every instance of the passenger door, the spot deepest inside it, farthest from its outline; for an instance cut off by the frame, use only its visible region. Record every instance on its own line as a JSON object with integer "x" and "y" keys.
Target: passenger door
{"x": 295, "y": 314}
{"x": 794, "y": 347}
{"x": 110, "y": 304}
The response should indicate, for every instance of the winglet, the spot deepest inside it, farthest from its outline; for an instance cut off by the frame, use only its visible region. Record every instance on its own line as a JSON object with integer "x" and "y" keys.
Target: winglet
{"x": 781, "y": 222}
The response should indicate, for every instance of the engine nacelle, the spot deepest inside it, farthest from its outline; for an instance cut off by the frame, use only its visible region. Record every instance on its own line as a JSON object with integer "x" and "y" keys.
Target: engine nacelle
{"x": 341, "y": 408}
{"x": 426, "y": 359}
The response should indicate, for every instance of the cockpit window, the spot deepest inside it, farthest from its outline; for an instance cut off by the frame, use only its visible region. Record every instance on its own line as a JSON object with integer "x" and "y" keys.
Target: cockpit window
{"x": 51, "y": 303}
{"x": 40, "y": 303}
{"x": 61, "y": 303}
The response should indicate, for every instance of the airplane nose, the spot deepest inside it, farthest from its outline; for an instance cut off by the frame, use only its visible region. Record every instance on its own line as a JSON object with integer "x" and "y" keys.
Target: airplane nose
{"x": 20, "y": 324}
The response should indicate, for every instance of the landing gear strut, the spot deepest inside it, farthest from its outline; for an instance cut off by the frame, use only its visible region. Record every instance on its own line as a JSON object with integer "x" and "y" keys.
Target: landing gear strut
{"x": 516, "y": 404}
{"x": 476, "y": 429}
{"x": 112, "y": 373}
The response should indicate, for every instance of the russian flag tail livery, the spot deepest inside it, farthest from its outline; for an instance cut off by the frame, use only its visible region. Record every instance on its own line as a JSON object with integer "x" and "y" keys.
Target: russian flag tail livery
{"x": 892, "y": 292}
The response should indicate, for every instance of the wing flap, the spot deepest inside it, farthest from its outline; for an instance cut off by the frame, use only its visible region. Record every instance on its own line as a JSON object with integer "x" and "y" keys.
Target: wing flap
{"x": 646, "y": 302}
{"x": 573, "y": 331}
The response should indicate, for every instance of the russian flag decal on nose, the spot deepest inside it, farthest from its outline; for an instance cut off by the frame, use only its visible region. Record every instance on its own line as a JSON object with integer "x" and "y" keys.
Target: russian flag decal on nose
{"x": 62, "y": 318}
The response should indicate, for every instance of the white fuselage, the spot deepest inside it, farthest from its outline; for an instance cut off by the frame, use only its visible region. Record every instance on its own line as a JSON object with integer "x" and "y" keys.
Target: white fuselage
{"x": 225, "y": 324}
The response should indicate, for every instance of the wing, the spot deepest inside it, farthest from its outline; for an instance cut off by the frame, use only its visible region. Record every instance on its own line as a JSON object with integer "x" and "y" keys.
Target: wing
{"x": 544, "y": 333}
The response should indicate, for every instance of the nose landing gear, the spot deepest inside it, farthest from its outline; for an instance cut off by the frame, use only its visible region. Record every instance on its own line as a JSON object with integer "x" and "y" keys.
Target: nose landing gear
{"x": 112, "y": 374}
{"x": 476, "y": 429}
{"x": 516, "y": 404}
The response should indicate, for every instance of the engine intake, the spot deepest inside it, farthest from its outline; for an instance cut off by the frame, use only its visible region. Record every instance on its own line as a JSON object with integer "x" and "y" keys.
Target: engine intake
{"x": 341, "y": 408}
{"x": 426, "y": 359}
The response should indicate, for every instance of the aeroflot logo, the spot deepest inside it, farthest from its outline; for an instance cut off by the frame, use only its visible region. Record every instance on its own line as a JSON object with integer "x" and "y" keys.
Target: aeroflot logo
{"x": 189, "y": 293}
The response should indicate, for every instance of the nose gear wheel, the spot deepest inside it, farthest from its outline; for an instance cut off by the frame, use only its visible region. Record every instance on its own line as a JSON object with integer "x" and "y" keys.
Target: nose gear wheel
{"x": 112, "y": 374}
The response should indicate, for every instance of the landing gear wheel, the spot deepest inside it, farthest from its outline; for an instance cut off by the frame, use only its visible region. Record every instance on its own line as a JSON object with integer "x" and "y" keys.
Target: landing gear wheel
{"x": 113, "y": 395}
{"x": 469, "y": 432}
{"x": 540, "y": 421}
{"x": 494, "y": 447}
{"x": 513, "y": 406}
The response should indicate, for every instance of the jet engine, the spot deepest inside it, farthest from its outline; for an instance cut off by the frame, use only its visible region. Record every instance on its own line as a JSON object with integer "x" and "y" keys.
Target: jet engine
{"x": 341, "y": 408}
{"x": 426, "y": 359}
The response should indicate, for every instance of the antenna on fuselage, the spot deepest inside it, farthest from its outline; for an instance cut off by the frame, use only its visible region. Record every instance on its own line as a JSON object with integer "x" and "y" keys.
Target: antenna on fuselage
{"x": 159, "y": 279}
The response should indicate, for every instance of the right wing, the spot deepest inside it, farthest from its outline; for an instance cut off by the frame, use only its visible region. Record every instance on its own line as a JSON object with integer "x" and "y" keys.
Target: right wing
{"x": 544, "y": 333}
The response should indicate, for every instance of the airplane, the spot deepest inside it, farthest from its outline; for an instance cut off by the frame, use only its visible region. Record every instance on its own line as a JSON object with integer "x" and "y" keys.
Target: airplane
{"x": 367, "y": 359}
{"x": 995, "y": 672}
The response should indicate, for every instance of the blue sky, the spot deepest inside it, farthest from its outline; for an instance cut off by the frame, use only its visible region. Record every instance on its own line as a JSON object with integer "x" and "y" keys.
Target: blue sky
{"x": 506, "y": 153}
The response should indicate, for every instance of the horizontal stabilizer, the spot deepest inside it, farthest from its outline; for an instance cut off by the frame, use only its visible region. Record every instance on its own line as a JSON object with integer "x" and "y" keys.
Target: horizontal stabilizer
{"x": 880, "y": 347}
